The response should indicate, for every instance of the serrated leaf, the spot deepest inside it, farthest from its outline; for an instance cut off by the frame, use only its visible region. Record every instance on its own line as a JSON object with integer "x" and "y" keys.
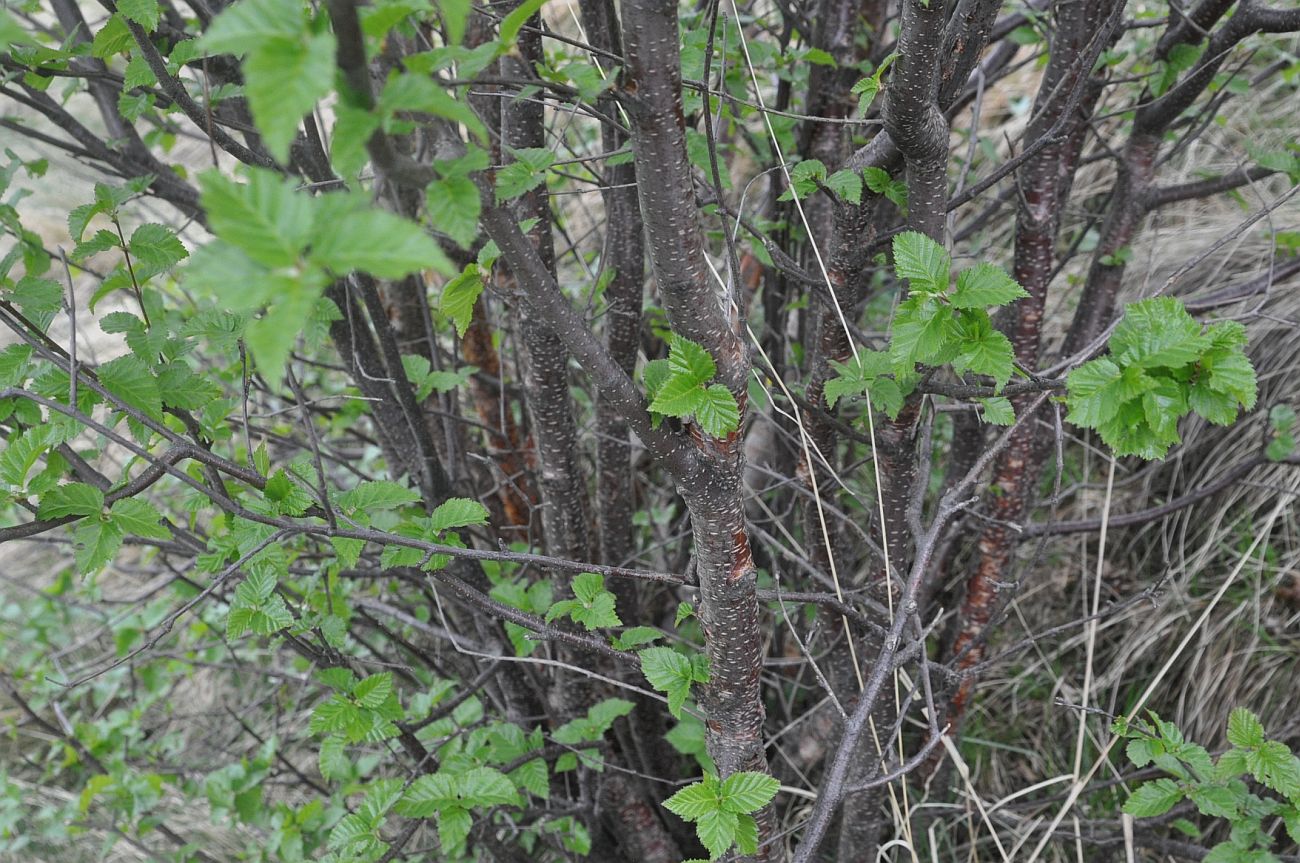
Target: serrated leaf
{"x": 588, "y": 586}
{"x": 717, "y": 831}
{"x": 377, "y": 242}
{"x": 96, "y": 543}
{"x": 248, "y": 24}
{"x": 453, "y": 207}
{"x": 690, "y": 362}
{"x": 332, "y": 759}
{"x": 985, "y": 285}
{"x": 139, "y": 517}
{"x": 1215, "y": 800}
{"x": 717, "y": 412}
{"x": 922, "y": 261}
{"x": 997, "y": 410}
{"x": 693, "y": 801}
{"x": 143, "y": 12}
{"x": 371, "y": 495}
{"x": 374, "y": 690}
{"x": 155, "y": 250}
{"x": 1095, "y": 391}
{"x": 985, "y": 351}
{"x": 459, "y": 296}
{"x": 632, "y": 638}
{"x": 1153, "y": 798}
{"x": 1157, "y": 332}
{"x": 457, "y": 512}
{"x": 427, "y": 795}
{"x": 748, "y": 791}
{"x": 597, "y": 614}
{"x": 454, "y": 824}
{"x": 74, "y": 498}
{"x": 130, "y": 380}
{"x": 486, "y": 786}
{"x": 923, "y": 331}
{"x": 1244, "y": 728}
{"x": 267, "y": 218}
{"x": 678, "y": 397}
{"x": 284, "y": 79}
{"x": 847, "y": 186}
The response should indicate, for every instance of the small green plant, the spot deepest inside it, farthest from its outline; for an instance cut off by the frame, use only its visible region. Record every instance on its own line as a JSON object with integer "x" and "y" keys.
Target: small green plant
{"x": 720, "y": 809}
{"x": 672, "y": 673}
{"x": 1217, "y": 788}
{"x": 1160, "y": 365}
{"x": 679, "y": 387}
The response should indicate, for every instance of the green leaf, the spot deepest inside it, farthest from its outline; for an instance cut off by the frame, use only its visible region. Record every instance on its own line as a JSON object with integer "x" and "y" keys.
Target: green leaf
{"x": 267, "y": 218}
{"x": 457, "y": 512}
{"x": 284, "y": 79}
{"x": 376, "y": 242}
{"x": 717, "y": 831}
{"x": 985, "y": 285}
{"x": 588, "y": 586}
{"x": 1095, "y": 390}
{"x": 96, "y": 542}
{"x": 527, "y": 171}
{"x": 1157, "y": 332}
{"x": 412, "y": 92}
{"x": 1215, "y": 800}
{"x": 922, "y": 261}
{"x": 678, "y": 397}
{"x": 847, "y": 186}
{"x": 924, "y": 330}
{"x": 143, "y": 12}
{"x": 597, "y": 614}
{"x": 804, "y": 178}
{"x": 631, "y": 638}
{"x": 453, "y": 206}
{"x": 717, "y": 412}
{"x": 746, "y": 834}
{"x": 1153, "y": 798}
{"x": 155, "y": 250}
{"x": 748, "y": 791}
{"x": 1275, "y": 767}
{"x": 454, "y": 824}
{"x": 689, "y": 361}
{"x": 139, "y": 517}
{"x": 856, "y": 376}
{"x": 512, "y": 23}
{"x": 693, "y": 801}
{"x": 997, "y": 411}
{"x": 374, "y": 690}
{"x": 248, "y": 24}
{"x": 1291, "y": 817}
{"x": 985, "y": 351}
{"x": 459, "y": 296}
{"x": 487, "y": 786}
{"x": 670, "y": 673}
{"x": 333, "y": 761}
{"x": 130, "y": 380}
{"x": 376, "y": 494}
{"x": 1244, "y": 728}
{"x": 427, "y": 795}
{"x": 74, "y": 498}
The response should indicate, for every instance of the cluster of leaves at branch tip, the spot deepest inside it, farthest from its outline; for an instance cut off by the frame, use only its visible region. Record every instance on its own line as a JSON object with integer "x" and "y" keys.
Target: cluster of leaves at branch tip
{"x": 679, "y": 387}
{"x": 720, "y": 810}
{"x": 1161, "y": 364}
{"x": 1217, "y": 788}
{"x": 938, "y": 324}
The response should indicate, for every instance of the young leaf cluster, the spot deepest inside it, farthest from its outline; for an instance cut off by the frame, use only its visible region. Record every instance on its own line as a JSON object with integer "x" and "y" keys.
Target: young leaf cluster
{"x": 672, "y": 673}
{"x": 720, "y": 809}
{"x": 679, "y": 387}
{"x": 1161, "y": 364}
{"x": 1218, "y": 788}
